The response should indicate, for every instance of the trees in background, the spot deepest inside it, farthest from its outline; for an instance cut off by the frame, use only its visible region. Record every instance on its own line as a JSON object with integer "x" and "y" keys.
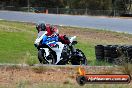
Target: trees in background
{"x": 77, "y": 4}
{"x": 48, "y": 3}
{"x": 121, "y": 5}
{"x": 124, "y": 5}
{"x": 92, "y": 4}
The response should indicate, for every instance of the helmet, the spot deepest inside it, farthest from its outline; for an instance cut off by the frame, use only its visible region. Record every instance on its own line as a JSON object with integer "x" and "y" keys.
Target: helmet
{"x": 41, "y": 27}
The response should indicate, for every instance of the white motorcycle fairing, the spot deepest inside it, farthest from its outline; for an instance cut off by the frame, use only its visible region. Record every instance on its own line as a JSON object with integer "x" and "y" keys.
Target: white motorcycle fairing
{"x": 58, "y": 51}
{"x": 40, "y": 37}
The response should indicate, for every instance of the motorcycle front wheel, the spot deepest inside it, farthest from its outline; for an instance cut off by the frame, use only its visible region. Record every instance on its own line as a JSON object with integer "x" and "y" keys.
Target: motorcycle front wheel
{"x": 79, "y": 58}
{"x": 45, "y": 60}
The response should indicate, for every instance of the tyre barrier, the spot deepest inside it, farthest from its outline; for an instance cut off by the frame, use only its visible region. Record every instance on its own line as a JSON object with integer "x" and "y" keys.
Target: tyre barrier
{"x": 107, "y": 53}
{"x": 116, "y": 54}
{"x": 129, "y": 53}
{"x": 99, "y": 51}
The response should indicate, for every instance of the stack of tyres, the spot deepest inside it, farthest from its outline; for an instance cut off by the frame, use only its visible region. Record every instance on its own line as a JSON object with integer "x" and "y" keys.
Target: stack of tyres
{"x": 99, "y": 51}
{"x": 129, "y": 53}
{"x": 114, "y": 54}
{"x": 107, "y": 53}
{"x": 124, "y": 49}
{"x": 124, "y": 55}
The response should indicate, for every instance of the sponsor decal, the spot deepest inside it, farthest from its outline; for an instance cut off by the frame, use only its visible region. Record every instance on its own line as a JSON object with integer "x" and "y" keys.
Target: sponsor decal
{"x": 84, "y": 78}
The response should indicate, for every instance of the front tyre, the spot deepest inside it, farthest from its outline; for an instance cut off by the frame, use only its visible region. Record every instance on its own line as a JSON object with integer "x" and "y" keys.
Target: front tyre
{"x": 41, "y": 56}
{"x": 79, "y": 58}
{"x": 46, "y": 60}
{"x": 51, "y": 58}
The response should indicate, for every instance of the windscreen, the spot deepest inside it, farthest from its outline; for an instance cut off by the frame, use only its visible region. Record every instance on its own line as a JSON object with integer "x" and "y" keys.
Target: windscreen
{"x": 41, "y": 33}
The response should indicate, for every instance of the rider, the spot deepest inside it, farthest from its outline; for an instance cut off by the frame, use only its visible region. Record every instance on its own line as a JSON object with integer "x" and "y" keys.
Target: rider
{"x": 52, "y": 34}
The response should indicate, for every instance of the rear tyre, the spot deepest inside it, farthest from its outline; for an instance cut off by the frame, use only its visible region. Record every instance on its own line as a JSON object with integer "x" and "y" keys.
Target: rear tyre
{"x": 79, "y": 58}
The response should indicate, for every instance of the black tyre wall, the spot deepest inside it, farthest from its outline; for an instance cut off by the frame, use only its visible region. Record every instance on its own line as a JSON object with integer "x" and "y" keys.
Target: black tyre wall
{"x": 106, "y": 53}
{"x": 99, "y": 52}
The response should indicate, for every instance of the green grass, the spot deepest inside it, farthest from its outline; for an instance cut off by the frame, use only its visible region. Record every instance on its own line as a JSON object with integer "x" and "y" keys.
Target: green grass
{"x": 17, "y": 39}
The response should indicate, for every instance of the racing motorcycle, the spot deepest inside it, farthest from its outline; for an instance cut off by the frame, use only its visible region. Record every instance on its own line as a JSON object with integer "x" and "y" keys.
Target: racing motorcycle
{"x": 59, "y": 54}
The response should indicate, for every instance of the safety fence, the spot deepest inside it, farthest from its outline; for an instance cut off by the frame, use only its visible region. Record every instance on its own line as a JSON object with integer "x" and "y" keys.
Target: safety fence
{"x": 67, "y": 11}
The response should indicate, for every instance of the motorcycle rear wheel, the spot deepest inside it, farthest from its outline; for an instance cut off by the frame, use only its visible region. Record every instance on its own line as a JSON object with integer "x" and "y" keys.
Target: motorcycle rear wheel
{"x": 80, "y": 58}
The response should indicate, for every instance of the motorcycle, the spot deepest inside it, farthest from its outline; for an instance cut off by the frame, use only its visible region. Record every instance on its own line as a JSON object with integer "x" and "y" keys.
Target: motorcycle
{"x": 59, "y": 54}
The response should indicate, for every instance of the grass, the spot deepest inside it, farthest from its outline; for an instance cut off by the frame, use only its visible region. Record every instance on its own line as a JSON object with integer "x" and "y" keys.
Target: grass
{"x": 17, "y": 39}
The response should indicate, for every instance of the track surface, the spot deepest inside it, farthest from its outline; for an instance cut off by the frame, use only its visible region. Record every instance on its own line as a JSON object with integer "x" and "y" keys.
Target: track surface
{"x": 113, "y": 24}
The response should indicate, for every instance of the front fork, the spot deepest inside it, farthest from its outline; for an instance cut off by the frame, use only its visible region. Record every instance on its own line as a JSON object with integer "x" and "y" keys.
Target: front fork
{"x": 73, "y": 50}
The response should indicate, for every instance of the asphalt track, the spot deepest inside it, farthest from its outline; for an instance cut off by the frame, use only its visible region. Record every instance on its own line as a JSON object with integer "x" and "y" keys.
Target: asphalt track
{"x": 105, "y": 23}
